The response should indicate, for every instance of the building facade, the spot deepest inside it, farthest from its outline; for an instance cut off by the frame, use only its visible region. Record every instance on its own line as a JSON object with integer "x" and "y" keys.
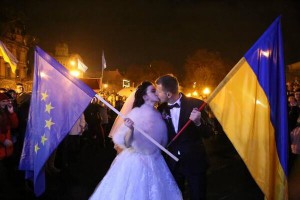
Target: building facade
{"x": 72, "y": 62}
{"x": 14, "y": 40}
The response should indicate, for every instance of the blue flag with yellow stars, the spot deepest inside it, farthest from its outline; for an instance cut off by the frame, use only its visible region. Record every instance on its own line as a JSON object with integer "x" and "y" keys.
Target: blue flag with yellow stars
{"x": 58, "y": 99}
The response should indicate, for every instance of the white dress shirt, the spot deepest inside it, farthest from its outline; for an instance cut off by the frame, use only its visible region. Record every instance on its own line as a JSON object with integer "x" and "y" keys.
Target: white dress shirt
{"x": 175, "y": 113}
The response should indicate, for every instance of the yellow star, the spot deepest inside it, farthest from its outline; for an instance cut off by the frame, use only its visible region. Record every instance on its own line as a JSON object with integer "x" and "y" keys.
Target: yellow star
{"x": 48, "y": 107}
{"x": 44, "y": 96}
{"x": 49, "y": 123}
{"x": 36, "y": 148}
{"x": 43, "y": 139}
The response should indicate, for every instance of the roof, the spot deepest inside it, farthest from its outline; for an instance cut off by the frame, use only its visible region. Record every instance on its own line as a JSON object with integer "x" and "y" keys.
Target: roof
{"x": 93, "y": 83}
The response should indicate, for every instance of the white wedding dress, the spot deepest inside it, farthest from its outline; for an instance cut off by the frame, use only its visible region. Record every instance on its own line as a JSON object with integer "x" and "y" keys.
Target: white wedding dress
{"x": 139, "y": 172}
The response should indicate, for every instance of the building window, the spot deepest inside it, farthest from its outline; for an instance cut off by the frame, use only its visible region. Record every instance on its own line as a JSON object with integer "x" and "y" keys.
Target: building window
{"x": 126, "y": 83}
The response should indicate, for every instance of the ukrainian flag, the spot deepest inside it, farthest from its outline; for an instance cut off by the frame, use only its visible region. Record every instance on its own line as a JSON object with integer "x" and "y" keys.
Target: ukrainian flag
{"x": 251, "y": 105}
{"x": 8, "y": 57}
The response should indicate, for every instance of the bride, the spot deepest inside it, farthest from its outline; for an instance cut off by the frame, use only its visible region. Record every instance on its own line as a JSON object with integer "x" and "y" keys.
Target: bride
{"x": 139, "y": 172}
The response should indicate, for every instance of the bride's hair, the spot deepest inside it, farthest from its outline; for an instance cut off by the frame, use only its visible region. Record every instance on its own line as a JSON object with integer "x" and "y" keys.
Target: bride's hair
{"x": 140, "y": 92}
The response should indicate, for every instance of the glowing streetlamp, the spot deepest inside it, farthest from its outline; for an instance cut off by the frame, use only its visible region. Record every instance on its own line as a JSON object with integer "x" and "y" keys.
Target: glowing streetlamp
{"x": 195, "y": 93}
{"x": 74, "y": 73}
{"x": 105, "y": 86}
{"x": 73, "y": 63}
{"x": 206, "y": 91}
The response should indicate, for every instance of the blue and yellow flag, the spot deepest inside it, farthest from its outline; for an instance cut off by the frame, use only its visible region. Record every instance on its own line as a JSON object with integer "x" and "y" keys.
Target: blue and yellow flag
{"x": 58, "y": 99}
{"x": 251, "y": 105}
{"x": 8, "y": 57}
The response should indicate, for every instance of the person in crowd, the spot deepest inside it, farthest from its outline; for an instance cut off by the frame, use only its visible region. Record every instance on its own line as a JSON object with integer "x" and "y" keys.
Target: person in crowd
{"x": 119, "y": 102}
{"x": 293, "y": 112}
{"x": 72, "y": 142}
{"x": 23, "y": 104}
{"x": 12, "y": 94}
{"x": 104, "y": 117}
{"x": 139, "y": 171}
{"x": 8, "y": 120}
{"x": 295, "y": 142}
{"x": 297, "y": 96}
{"x": 177, "y": 109}
{"x": 289, "y": 88}
{"x": 3, "y": 90}
{"x": 94, "y": 130}
{"x": 22, "y": 96}
{"x": 17, "y": 143}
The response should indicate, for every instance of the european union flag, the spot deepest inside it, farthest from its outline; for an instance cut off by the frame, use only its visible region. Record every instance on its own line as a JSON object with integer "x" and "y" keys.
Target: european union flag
{"x": 58, "y": 99}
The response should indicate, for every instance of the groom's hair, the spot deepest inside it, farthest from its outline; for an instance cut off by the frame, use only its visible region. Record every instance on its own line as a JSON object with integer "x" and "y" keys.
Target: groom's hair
{"x": 169, "y": 82}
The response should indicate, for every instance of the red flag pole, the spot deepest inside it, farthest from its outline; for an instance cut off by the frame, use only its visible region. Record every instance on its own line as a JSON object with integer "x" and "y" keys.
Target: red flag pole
{"x": 186, "y": 125}
{"x": 211, "y": 96}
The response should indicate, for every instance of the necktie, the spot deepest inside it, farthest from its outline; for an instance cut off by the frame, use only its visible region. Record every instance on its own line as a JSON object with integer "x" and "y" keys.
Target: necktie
{"x": 176, "y": 105}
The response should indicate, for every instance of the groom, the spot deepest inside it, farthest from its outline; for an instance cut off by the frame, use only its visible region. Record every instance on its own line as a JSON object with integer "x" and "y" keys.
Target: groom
{"x": 177, "y": 109}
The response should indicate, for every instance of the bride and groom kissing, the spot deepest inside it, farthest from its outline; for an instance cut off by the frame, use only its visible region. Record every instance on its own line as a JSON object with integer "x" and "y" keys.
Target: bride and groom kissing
{"x": 140, "y": 171}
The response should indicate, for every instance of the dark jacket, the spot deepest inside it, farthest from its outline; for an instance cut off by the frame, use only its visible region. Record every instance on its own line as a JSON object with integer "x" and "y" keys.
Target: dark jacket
{"x": 188, "y": 147}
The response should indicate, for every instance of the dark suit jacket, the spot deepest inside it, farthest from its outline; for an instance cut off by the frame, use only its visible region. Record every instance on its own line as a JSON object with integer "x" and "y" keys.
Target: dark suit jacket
{"x": 188, "y": 147}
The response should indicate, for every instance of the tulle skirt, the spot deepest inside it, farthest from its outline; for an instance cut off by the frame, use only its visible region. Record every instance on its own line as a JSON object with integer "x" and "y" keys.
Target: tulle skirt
{"x": 136, "y": 176}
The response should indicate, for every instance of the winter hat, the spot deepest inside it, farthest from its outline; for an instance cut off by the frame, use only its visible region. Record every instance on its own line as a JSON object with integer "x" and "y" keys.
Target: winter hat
{"x": 3, "y": 97}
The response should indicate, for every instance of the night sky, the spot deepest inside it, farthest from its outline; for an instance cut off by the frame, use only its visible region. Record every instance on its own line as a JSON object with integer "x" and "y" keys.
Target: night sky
{"x": 140, "y": 31}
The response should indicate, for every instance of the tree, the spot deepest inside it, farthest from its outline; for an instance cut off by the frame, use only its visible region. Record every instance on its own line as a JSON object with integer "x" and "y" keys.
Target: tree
{"x": 136, "y": 73}
{"x": 204, "y": 69}
{"x": 159, "y": 68}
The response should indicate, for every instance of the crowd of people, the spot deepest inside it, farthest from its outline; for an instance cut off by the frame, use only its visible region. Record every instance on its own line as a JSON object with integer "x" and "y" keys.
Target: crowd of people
{"x": 85, "y": 156}
{"x": 293, "y": 95}
{"x": 14, "y": 108}
{"x": 88, "y": 136}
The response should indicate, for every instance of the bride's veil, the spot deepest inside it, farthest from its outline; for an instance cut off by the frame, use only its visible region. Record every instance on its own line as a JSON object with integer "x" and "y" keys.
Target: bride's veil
{"x": 127, "y": 107}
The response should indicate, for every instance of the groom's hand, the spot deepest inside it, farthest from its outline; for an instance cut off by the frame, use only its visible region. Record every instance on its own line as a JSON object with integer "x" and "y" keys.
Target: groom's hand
{"x": 196, "y": 116}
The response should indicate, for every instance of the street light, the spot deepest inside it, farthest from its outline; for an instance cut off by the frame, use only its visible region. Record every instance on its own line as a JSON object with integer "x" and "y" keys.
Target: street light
{"x": 74, "y": 73}
{"x": 195, "y": 93}
{"x": 206, "y": 91}
{"x": 73, "y": 63}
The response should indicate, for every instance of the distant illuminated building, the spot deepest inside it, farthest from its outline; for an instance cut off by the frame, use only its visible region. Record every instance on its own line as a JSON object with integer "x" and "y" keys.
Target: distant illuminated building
{"x": 16, "y": 41}
{"x": 73, "y": 62}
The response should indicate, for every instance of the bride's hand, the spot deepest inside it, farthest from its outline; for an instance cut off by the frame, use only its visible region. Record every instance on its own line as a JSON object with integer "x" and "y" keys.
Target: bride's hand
{"x": 129, "y": 123}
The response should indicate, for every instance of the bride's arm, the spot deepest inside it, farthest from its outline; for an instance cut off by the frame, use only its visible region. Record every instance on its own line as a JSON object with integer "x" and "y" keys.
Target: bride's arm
{"x": 129, "y": 134}
{"x": 123, "y": 136}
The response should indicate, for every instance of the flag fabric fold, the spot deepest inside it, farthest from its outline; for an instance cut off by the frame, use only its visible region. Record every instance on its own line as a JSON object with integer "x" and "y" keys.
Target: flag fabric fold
{"x": 8, "y": 57}
{"x": 81, "y": 66}
{"x": 58, "y": 99}
{"x": 251, "y": 106}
